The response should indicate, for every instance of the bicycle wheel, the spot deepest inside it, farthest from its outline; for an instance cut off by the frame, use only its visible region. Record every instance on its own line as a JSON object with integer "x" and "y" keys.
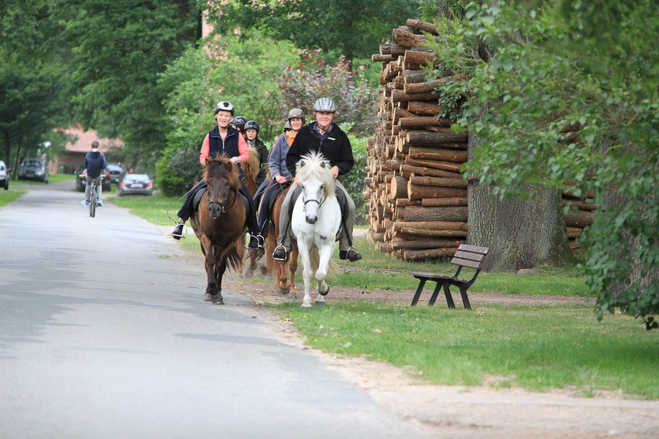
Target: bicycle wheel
{"x": 92, "y": 202}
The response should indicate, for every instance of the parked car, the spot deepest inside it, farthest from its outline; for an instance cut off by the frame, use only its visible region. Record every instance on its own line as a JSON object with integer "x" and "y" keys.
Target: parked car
{"x": 4, "y": 175}
{"x": 33, "y": 169}
{"x": 81, "y": 181}
{"x": 115, "y": 172}
{"x": 135, "y": 184}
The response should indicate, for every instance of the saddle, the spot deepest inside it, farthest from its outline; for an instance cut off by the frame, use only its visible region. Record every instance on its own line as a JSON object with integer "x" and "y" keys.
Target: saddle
{"x": 196, "y": 199}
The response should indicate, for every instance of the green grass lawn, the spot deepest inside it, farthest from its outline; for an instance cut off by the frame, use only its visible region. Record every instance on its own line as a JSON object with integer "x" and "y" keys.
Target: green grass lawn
{"x": 53, "y": 178}
{"x": 535, "y": 347}
{"x": 7, "y": 196}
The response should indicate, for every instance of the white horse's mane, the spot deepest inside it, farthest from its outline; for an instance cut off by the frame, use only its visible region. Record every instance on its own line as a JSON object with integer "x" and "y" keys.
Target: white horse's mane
{"x": 317, "y": 166}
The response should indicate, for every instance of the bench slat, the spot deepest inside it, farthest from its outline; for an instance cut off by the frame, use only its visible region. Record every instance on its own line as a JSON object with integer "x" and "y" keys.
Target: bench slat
{"x": 466, "y": 263}
{"x": 471, "y": 256}
{"x": 474, "y": 249}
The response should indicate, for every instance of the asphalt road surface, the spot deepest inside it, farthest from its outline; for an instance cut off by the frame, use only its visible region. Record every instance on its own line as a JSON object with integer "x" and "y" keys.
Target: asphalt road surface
{"x": 104, "y": 334}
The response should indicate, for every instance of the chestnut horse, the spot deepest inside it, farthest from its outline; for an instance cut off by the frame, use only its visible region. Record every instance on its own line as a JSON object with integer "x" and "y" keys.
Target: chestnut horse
{"x": 282, "y": 269}
{"x": 219, "y": 223}
{"x": 250, "y": 170}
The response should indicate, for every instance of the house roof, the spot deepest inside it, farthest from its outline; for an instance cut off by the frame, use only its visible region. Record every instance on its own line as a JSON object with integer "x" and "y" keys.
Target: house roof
{"x": 85, "y": 139}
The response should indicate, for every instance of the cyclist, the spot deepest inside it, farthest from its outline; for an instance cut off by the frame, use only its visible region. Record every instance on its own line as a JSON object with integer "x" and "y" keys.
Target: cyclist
{"x": 326, "y": 137}
{"x": 94, "y": 163}
{"x": 222, "y": 139}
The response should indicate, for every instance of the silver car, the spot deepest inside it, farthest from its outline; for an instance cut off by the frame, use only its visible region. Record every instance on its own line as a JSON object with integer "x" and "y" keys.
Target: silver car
{"x": 4, "y": 175}
{"x": 33, "y": 169}
{"x": 135, "y": 184}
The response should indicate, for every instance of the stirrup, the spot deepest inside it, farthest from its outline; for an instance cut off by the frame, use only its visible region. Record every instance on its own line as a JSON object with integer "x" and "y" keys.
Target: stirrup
{"x": 280, "y": 258}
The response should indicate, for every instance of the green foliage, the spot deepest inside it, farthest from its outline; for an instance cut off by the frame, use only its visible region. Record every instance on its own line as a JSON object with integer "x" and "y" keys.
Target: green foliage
{"x": 310, "y": 79}
{"x": 355, "y": 27}
{"x": 244, "y": 73}
{"x": 354, "y": 181}
{"x": 535, "y": 347}
{"x": 120, "y": 47}
{"x": 537, "y": 74}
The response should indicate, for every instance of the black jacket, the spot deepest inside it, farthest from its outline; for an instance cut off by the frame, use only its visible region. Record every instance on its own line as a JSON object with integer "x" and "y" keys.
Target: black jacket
{"x": 263, "y": 158}
{"x": 94, "y": 163}
{"x": 336, "y": 148}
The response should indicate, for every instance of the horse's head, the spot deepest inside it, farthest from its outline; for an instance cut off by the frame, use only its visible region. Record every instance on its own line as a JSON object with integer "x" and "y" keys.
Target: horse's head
{"x": 251, "y": 167}
{"x": 317, "y": 183}
{"x": 222, "y": 178}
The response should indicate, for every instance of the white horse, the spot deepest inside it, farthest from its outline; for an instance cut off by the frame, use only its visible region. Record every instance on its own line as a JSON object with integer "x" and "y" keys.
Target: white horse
{"x": 315, "y": 223}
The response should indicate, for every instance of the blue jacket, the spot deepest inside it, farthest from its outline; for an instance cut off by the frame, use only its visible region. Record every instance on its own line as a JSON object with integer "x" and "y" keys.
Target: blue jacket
{"x": 95, "y": 163}
{"x": 277, "y": 160}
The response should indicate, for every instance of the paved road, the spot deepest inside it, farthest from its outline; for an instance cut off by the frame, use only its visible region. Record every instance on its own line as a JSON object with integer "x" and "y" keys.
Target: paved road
{"x": 104, "y": 334}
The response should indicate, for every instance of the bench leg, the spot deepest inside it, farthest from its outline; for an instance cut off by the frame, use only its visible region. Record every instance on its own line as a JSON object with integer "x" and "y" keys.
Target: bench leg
{"x": 434, "y": 294}
{"x": 422, "y": 283}
{"x": 465, "y": 299}
{"x": 449, "y": 298}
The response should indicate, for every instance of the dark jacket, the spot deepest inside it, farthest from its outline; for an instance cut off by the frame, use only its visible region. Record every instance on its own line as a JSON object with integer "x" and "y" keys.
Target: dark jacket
{"x": 95, "y": 163}
{"x": 263, "y": 158}
{"x": 336, "y": 148}
{"x": 230, "y": 144}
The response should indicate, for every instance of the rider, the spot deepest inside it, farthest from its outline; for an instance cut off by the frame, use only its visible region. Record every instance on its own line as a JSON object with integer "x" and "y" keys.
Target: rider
{"x": 228, "y": 140}
{"x": 238, "y": 123}
{"x": 325, "y": 137}
{"x": 277, "y": 161}
{"x": 94, "y": 163}
{"x": 253, "y": 141}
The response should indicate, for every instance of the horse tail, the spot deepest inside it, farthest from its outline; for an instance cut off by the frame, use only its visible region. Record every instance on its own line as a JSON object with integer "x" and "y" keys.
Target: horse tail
{"x": 333, "y": 271}
{"x": 234, "y": 261}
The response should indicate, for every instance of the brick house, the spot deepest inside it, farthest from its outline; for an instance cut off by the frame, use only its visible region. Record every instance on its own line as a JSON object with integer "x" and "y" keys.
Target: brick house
{"x": 72, "y": 159}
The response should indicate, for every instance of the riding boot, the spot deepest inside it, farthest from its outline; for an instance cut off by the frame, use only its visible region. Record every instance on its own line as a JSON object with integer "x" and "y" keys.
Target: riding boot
{"x": 178, "y": 230}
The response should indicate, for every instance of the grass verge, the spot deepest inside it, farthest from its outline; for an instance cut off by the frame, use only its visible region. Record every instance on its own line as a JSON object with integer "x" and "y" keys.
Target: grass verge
{"x": 7, "y": 196}
{"x": 52, "y": 178}
{"x": 534, "y": 347}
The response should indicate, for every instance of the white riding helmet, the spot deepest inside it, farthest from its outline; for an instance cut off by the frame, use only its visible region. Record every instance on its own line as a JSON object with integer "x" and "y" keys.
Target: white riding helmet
{"x": 325, "y": 104}
{"x": 296, "y": 113}
{"x": 223, "y": 106}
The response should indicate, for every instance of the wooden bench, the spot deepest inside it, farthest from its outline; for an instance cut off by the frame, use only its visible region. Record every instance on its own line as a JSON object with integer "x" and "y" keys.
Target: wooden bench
{"x": 467, "y": 256}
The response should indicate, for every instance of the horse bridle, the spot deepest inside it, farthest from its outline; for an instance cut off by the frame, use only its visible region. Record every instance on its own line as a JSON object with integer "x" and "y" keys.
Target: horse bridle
{"x": 223, "y": 202}
{"x": 320, "y": 203}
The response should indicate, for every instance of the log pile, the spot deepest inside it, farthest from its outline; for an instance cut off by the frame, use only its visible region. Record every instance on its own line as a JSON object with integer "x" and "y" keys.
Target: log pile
{"x": 415, "y": 193}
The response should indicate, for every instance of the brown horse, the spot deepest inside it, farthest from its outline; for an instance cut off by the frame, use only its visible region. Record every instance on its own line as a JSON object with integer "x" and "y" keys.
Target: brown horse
{"x": 250, "y": 170}
{"x": 219, "y": 223}
{"x": 281, "y": 268}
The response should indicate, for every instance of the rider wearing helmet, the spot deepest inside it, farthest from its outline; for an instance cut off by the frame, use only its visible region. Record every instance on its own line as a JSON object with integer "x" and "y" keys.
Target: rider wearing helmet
{"x": 223, "y": 139}
{"x": 253, "y": 141}
{"x": 239, "y": 122}
{"x": 277, "y": 162}
{"x": 325, "y": 137}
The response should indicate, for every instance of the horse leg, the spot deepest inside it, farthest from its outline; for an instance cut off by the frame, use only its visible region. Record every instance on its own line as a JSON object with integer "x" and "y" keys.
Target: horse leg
{"x": 292, "y": 267}
{"x": 307, "y": 274}
{"x": 324, "y": 256}
{"x": 219, "y": 273}
{"x": 251, "y": 257}
{"x": 212, "y": 289}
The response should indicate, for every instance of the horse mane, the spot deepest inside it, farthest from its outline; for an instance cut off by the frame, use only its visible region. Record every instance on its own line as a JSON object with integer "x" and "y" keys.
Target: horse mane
{"x": 253, "y": 163}
{"x": 317, "y": 166}
{"x": 221, "y": 167}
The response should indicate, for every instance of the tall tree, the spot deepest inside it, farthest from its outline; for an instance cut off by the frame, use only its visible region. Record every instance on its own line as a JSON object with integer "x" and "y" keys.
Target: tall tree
{"x": 353, "y": 26}
{"x": 575, "y": 107}
{"x": 121, "y": 47}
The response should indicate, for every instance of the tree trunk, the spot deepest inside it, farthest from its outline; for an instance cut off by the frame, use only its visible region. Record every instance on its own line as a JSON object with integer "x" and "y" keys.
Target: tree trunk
{"x": 519, "y": 234}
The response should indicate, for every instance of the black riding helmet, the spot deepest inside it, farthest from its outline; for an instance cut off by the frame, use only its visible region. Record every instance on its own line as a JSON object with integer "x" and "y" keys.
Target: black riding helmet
{"x": 239, "y": 122}
{"x": 252, "y": 125}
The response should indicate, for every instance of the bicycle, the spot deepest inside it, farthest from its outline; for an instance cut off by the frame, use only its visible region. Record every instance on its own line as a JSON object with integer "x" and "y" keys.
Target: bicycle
{"x": 93, "y": 201}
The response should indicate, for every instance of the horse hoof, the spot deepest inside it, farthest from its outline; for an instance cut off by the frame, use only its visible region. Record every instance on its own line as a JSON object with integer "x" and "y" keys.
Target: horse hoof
{"x": 320, "y": 302}
{"x": 324, "y": 293}
{"x": 292, "y": 296}
{"x": 207, "y": 297}
{"x": 306, "y": 307}
{"x": 285, "y": 291}
{"x": 217, "y": 300}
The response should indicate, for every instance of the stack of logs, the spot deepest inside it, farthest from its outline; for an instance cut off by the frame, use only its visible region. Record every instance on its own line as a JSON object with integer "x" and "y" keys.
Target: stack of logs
{"x": 417, "y": 197}
{"x": 415, "y": 193}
